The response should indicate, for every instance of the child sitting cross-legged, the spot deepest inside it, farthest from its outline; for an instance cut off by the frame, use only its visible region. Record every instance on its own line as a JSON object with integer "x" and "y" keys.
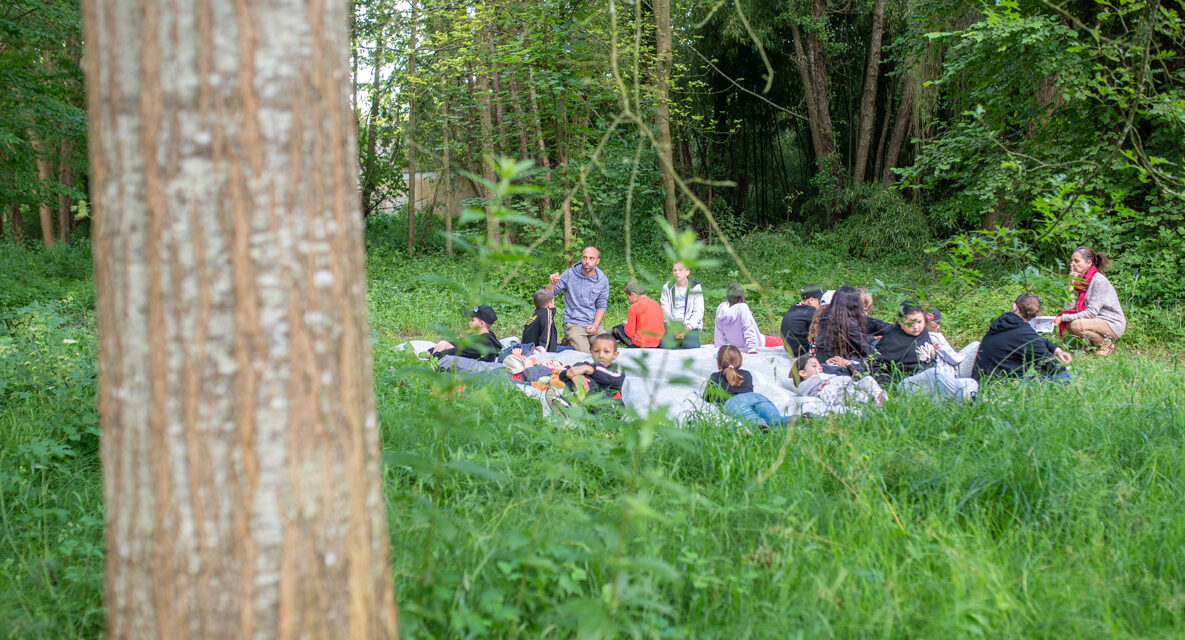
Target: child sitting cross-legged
{"x": 601, "y": 377}
{"x": 732, "y": 387}
{"x": 836, "y": 391}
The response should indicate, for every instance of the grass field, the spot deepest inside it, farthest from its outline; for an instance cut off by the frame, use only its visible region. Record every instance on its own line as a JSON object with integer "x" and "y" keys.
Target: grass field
{"x": 1041, "y": 511}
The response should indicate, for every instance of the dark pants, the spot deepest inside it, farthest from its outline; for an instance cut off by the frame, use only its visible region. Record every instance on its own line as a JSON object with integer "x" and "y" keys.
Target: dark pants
{"x": 619, "y": 333}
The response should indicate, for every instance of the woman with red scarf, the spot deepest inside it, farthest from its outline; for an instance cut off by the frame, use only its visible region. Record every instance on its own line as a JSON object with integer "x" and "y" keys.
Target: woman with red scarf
{"x": 1096, "y": 314}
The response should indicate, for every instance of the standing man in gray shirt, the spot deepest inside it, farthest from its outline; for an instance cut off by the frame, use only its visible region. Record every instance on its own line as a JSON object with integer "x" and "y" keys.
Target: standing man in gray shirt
{"x": 586, "y": 296}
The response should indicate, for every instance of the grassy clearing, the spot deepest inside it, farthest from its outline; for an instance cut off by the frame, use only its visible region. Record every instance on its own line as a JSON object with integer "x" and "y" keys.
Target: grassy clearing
{"x": 1043, "y": 511}
{"x": 1047, "y": 511}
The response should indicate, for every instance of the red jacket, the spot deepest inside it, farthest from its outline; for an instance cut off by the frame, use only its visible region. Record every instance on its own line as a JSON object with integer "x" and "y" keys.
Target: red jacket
{"x": 644, "y": 322}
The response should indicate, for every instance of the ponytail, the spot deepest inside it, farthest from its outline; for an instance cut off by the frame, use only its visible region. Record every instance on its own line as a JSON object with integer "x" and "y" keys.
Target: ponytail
{"x": 728, "y": 360}
{"x": 1098, "y": 260}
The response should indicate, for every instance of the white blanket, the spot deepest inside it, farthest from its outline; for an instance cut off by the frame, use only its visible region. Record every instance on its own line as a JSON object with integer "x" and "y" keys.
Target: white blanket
{"x": 673, "y": 380}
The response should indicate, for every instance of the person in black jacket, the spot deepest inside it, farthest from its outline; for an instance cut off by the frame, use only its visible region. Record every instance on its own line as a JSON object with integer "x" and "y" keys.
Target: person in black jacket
{"x": 796, "y": 323}
{"x": 1011, "y": 347}
{"x": 540, "y": 329}
{"x": 482, "y": 345}
{"x": 904, "y": 348}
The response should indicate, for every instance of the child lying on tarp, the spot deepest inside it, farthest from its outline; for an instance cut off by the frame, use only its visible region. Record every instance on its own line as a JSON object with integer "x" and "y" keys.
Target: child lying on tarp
{"x": 732, "y": 387}
{"x": 835, "y": 390}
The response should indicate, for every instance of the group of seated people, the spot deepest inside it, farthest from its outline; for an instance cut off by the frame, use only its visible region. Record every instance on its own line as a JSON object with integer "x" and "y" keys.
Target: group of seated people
{"x": 841, "y": 354}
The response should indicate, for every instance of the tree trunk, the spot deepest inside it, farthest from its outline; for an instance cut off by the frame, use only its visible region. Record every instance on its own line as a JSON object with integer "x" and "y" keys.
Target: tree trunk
{"x": 662, "y": 119}
{"x": 804, "y": 74}
{"x": 446, "y": 175}
{"x": 544, "y": 160}
{"x": 368, "y": 165}
{"x": 868, "y": 96}
{"x": 816, "y": 55}
{"x": 240, "y": 443}
{"x": 411, "y": 134}
{"x": 486, "y": 135}
{"x": 520, "y": 118}
{"x": 66, "y": 178}
{"x": 562, "y": 151}
{"x": 44, "y": 174}
{"x": 497, "y": 100}
{"x": 900, "y": 126}
{"x": 884, "y": 134}
{"x": 18, "y": 224}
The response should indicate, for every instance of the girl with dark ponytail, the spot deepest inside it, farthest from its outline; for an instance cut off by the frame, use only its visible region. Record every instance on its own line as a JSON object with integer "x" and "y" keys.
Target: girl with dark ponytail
{"x": 1096, "y": 314}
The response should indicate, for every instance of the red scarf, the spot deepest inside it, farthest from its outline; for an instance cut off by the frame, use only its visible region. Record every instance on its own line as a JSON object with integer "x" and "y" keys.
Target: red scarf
{"x": 1080, "y": 285}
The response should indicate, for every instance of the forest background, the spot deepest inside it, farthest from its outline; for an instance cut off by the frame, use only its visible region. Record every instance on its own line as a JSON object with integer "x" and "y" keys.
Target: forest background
{"x": 956, "y": 150}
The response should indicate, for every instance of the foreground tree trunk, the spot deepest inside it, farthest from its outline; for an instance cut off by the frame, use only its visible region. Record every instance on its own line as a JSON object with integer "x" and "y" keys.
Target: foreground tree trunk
{"x": 240, "y": 443}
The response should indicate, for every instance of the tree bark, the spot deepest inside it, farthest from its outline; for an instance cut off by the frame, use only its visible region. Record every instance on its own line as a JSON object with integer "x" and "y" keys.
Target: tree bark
{"x": 804, "y": 74}
{"x": 368, "y": 165}
{"x": 66, "y": 179}
{"x": 884, "y": 134}
{"x": 900, "y": 126}
{"x": 18, "y": 224}
{"x": 493, "y": 234}
{"x": 868, "y": 95}
{"x": 44, "y": 174}
{"x": 662, "y": 119}
{"x": 544, "y": 160}
{"x": 520, "y": 118}
{"x": 562, "y": 152}
{"x": 240, "y": 442}
{"x": 446, "y": 175}
{"x": 411, "y": 134}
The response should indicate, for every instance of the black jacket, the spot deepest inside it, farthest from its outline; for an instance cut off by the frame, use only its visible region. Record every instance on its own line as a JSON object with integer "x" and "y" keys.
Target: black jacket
{"x": 878, "y": 327}
{"x": 483, "y": 347}
{"x": 540, "y": 330}
{"x": 718, "y": 390}
{"x": 1011, "y": 346}
{"x": 897, "y": 355}
{"x": 795, "y": 326}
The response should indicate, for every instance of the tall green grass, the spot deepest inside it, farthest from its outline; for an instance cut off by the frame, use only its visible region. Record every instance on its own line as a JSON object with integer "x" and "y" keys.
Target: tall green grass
{"x": 1040, "y": 511}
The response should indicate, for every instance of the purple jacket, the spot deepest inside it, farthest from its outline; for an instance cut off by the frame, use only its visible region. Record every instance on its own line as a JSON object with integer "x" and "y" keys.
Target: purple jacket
{"x": 736, "y": 325}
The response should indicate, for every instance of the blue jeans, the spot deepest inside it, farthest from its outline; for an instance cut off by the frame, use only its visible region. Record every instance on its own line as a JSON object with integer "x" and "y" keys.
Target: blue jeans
{"x": 669, "y": 341}
{"x": 754, "y": 407}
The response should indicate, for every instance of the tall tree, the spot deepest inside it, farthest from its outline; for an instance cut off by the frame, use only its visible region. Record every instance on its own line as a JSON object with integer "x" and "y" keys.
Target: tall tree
{"x": 240, "y": 443}
{"x": 411, "y": 131}
{"x": 868, "y": 94}
{"x": 662, "y": 120}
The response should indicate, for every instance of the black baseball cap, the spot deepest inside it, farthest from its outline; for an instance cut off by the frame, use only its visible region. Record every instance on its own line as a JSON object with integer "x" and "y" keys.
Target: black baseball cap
{"x": 933, "y": 314}
{"x": 485, "y": 313}
{"x": 811, "y": 291}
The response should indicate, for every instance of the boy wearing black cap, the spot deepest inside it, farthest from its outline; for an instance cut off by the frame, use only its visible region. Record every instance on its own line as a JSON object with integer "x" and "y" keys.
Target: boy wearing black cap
{"x": 797, "y": 321}
{"x": 483, "y": 345}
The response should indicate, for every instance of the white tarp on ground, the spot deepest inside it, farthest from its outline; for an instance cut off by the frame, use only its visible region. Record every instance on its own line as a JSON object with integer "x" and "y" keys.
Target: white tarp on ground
{"x": 673, "y": 380}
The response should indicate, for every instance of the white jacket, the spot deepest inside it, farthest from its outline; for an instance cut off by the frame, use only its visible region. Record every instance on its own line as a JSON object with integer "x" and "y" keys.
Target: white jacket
{"x": 693, "y": 311}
